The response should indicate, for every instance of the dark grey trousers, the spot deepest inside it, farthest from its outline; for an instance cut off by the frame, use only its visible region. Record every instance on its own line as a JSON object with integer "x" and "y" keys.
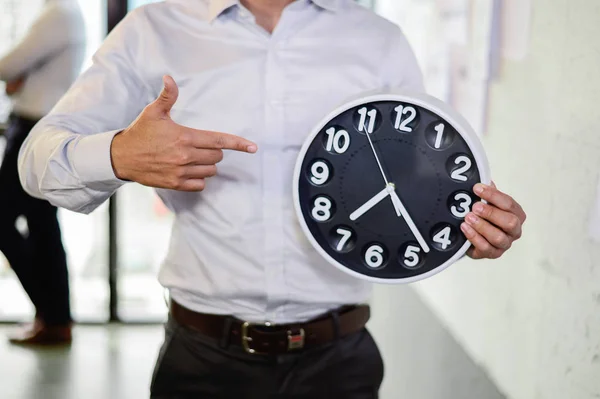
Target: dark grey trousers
{"x": 193, "y": 366}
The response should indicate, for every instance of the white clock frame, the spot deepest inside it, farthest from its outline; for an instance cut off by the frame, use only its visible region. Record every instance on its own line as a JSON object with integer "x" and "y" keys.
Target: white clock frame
{"x": 457, "y": 121}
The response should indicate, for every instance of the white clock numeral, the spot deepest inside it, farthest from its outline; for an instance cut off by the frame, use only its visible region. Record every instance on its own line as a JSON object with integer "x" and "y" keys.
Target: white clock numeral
{"x": 346, "y": 235}
{"x": 374, "y": 257}
{"x": 320, "y": 173}
{"x": 362, "y": 125}
{"x": 411, "y": 256}
{"x": 464, "y": 206}
{"x": 443, "y": 238}
{"x": 337, "y": 141}
{"x": 322, "y": 209}
{"x": 458, "y": 173}
{"x": 440, "y": 135}
{"x": 400, "y": 124}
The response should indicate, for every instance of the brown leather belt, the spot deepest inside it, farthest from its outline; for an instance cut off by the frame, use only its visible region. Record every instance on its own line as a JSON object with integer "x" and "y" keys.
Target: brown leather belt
{"x": 272, "y": 339}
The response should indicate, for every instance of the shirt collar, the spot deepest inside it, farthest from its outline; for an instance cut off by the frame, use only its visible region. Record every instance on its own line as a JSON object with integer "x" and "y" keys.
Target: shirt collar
{"x": 217, "y": 7}
{"x": 329, "y": 5}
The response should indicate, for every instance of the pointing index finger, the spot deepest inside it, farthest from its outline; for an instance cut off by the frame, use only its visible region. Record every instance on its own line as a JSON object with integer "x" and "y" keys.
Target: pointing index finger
{"x": 221, "y": 141}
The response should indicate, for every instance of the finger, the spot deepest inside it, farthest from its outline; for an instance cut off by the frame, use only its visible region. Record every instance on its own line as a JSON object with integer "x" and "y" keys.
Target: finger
{"x": 199, "y": 171}
{"x": 191, "y": 185}
{"x": 481, "y": 247}
{"x": 221, "y": 141}
{"x": 506, "y": 221}
{"x": 499, "y": 199}
{"x": 167, "y": 97}
{"x": 493, "y": 235}
{"x": 201, "y": 156}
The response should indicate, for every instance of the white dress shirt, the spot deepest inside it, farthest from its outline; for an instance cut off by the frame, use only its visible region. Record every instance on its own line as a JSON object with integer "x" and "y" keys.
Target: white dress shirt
{"x": 237, "y": 247}
{"x": 50, "y": 57}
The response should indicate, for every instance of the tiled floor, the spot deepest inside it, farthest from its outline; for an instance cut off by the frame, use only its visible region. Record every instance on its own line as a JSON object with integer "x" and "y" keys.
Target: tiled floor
{"x": 116, "y": 361}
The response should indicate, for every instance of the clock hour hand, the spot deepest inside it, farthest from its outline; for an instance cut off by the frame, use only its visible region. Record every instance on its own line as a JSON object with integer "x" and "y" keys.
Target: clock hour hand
{"x": 370, "y": 204}
{"x": 411, "y": 224}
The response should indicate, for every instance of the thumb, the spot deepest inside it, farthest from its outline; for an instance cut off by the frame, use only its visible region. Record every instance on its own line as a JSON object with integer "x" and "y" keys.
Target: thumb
{"x": 168, "y": 96}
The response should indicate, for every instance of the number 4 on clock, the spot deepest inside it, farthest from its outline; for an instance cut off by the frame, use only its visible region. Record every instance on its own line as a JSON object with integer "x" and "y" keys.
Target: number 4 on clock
{"x": 443, "y": 238}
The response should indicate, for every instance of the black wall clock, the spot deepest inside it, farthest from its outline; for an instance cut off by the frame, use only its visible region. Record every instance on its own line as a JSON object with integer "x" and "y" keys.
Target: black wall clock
{"x": 383, "y": 183}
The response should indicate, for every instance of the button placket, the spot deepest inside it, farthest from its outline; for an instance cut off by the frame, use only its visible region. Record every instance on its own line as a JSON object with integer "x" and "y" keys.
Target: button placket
{"x": 273, "y": 182}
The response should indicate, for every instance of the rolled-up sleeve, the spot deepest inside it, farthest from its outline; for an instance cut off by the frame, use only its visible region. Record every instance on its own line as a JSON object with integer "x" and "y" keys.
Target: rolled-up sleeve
{"x": 66, "y": 157}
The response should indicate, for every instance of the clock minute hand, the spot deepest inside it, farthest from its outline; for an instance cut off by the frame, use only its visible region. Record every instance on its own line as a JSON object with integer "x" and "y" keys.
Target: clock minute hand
{"x": 369, "y": 204}
{"x": 411, "y": 224}
{"x": 391, "y": 187}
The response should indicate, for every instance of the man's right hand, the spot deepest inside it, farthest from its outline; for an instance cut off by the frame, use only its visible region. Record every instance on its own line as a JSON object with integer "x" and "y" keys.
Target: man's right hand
{"x": 157, "y": 152}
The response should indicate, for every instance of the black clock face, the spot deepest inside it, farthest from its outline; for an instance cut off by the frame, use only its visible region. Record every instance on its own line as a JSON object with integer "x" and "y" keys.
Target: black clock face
{"x": 389, "y": 207}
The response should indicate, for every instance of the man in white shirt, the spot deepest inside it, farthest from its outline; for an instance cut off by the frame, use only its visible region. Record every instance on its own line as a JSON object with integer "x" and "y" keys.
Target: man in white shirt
{"x": 38, "y": 71}
{"x": 254, "y": 310}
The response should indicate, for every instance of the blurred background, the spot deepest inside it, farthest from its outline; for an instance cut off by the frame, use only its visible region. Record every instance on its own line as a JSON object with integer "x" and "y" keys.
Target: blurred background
{"x": 524, "y": 72}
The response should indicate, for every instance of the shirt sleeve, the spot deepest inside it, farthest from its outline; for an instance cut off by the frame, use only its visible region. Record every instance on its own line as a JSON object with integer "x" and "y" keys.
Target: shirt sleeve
{"x": 66, "y": 157}
{"x": 402, "y": 70}
{"x": 49, "y": 34}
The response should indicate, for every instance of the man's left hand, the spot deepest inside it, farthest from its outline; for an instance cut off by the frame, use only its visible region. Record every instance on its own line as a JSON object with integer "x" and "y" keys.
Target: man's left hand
{"x": 14, "y": 86}
{"x": 493, "y": 227}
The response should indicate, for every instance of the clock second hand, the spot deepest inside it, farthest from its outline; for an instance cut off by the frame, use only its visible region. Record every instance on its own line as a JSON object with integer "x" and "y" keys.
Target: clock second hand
{"x": 377, "y": 158}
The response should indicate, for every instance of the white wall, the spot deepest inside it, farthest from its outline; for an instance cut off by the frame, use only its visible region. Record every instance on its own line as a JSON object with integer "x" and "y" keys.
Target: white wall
{"x": 532, "y": 319}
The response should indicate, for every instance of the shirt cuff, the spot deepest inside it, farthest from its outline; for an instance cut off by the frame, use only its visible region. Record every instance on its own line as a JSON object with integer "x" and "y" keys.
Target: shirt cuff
{"x": 91, "y": 159}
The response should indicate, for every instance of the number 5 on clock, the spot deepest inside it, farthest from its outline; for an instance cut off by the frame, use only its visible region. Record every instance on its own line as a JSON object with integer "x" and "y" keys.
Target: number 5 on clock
{"x": 411, "y": 256}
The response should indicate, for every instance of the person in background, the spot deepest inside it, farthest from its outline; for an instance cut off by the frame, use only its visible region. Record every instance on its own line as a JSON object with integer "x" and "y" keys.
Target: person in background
{"x": 182, "y": 85}
{"x": 38, "y": 71}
